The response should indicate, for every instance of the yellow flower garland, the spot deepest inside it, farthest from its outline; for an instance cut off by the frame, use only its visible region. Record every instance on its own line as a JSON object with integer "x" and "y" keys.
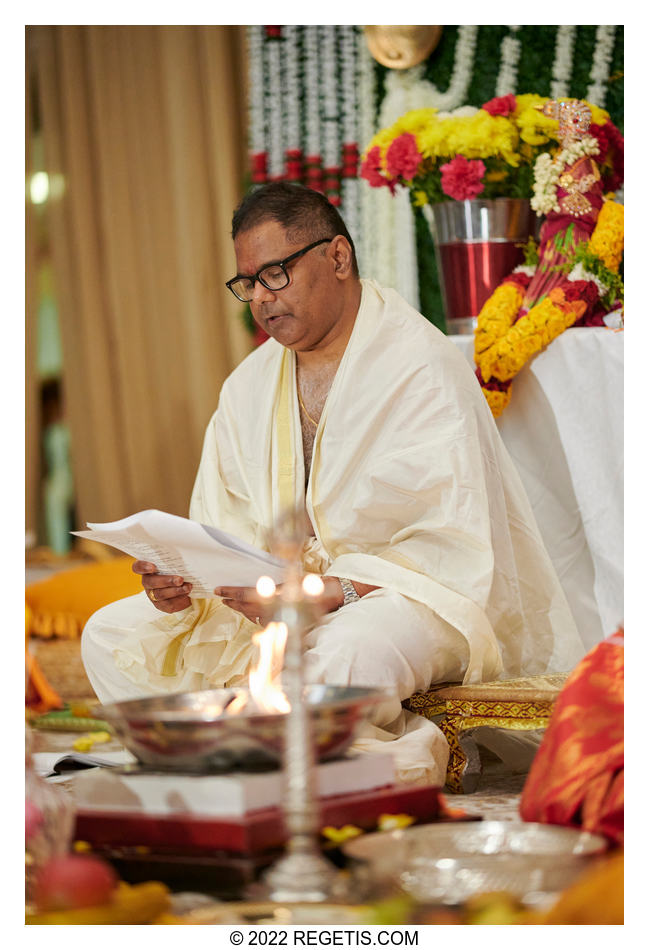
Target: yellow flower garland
{"x": 502, "y": 347}
{"x": 544, "y": 322}
{"x": 607, "y": 240}
{"x": 496, "y": 318}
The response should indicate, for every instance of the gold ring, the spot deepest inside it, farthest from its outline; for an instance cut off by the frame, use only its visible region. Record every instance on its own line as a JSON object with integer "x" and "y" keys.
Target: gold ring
{"x": 152, "y": 596}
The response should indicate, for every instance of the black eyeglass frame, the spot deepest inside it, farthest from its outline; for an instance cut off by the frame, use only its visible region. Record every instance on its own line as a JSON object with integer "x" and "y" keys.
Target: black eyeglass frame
{"x": 280, "y": 264}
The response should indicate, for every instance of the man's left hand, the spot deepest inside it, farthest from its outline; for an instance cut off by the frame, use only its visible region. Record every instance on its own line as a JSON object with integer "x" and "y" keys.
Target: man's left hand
{"x": 246, "y": 600}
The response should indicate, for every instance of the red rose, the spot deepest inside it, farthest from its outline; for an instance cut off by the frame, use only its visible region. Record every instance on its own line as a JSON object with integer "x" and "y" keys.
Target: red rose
{"x": 371, "y": 168}
{"x": 462, "y": 179}
{"x": 585, "y": 290}
{"x": 403, "y": 157}
{"x": 501, "y": 105}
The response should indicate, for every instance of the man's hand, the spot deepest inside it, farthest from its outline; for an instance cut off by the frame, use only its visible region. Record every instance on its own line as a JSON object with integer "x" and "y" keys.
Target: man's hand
{"x": 246, "y": 601}
{"x": 167, "y": 592}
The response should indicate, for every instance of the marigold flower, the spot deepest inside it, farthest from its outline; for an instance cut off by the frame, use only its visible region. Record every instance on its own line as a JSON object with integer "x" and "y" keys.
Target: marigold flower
{"x": 497, "y": 400}
{"x": 607, "y": 239}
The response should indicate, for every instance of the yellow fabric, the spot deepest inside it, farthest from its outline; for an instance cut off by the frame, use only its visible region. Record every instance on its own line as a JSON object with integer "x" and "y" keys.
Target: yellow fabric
{"x": 411, "y": 489}
{"x": 285, "y": 447}
{"x": 61, "y": 605}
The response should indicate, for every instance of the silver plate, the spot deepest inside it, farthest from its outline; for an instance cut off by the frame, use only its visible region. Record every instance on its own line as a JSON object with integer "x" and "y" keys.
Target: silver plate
{"x": 447, "y": 863}
{"x": 193, "y": 731}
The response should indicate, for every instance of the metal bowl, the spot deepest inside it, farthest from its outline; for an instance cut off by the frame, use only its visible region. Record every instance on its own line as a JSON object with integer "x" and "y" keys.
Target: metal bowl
{"x": 447, "y": 863}
{"x": 193, "y": 732}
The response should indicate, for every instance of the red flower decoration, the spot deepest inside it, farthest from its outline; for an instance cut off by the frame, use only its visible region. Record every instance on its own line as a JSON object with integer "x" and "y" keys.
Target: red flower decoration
{"x": 520, "y": 279}
{"x": 462, "y": 179}
{"x": 598, "y": 132}
{"x": 501, "y": 105}
{"x": 585, "y": 290}
{"x": 403, "y": 157}
{"x": 371, "y": 168}
{"x": 495, "y": 385}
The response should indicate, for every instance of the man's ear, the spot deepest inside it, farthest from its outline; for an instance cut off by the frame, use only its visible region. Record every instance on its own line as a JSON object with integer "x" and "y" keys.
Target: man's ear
{"x": 341, "y": 254}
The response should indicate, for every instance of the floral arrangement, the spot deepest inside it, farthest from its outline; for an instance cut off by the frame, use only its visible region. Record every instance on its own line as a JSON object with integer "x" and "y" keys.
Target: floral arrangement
{"x": 504, "y": 342}
{"x": 488, "y": 152}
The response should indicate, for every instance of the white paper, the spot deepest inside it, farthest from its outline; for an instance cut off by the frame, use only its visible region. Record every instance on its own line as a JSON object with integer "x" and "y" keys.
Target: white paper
{"x": 44, "y": 762}
{"x": 204, "y": 556}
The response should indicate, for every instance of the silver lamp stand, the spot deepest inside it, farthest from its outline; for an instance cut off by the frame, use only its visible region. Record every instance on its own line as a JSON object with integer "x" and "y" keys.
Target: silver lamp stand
{"x": 302, "y": 873}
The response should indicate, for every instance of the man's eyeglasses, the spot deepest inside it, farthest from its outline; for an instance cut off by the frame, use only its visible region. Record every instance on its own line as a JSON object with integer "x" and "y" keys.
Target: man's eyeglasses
{"x": 272, "y": 276}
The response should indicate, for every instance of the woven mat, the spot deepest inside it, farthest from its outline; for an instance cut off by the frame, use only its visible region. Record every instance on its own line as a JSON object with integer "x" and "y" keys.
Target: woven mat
{"x": 60, "y": 661}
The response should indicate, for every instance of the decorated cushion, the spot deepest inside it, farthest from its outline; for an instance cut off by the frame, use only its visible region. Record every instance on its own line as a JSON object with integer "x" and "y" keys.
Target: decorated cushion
{"x": 59, "y": 606}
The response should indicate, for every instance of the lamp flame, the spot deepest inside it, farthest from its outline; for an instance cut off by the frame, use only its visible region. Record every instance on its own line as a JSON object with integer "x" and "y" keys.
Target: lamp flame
{"x": 271, "y": 643}
{"x": 263, "y": 693}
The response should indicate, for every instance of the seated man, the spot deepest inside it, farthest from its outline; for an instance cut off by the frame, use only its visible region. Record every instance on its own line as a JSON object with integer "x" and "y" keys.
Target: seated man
{"x": 361, "y": 412}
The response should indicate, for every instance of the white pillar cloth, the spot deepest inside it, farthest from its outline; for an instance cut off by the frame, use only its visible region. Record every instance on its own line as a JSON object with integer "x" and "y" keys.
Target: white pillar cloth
{"x": 398, "y": 645}
{"x": 564, "y": 430}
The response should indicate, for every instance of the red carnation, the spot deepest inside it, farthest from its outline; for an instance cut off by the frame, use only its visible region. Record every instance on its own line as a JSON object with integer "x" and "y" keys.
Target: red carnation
{"x": 371, "y": 168}
{"x": 462, "y": 179}
{"x": 501, "y": 105}
{"x": 403, "y": 157}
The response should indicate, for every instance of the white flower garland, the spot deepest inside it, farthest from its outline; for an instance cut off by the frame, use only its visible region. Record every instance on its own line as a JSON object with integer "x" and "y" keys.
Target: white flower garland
{"x": 350, "y": 191}
{"x": 256, "y": 124}
{"x": 562, "y": 66}
{"x": 407, "y": 89}
{"x": 547, "y": 172}
{"x": 462, "y": 73}
{"x": 275, "y": 108}
{"x": 312, "y": 91}
{"x": 602, "y": 56}
{"x": 292, "y": 90}
{"x": 526, "y": 269}
{"x": 510, "y": 53}
{"x": 366, "y": 245}
{"x": 329, "y": 96}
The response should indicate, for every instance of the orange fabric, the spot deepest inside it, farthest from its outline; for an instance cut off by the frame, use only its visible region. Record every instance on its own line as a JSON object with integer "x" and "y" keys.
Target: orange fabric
{"x": 40, "y": 697}
{"x": 61, "y": 605}
{"x": 577, "y": 776}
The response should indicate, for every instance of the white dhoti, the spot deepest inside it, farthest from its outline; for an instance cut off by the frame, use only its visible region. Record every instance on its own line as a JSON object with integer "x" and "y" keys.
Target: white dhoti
{"x": 385, "y": 640}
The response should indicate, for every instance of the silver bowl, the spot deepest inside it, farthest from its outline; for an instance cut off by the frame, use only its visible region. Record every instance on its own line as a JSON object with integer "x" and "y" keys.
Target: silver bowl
{"x": 447, "y": 863}
{"x": 194, "y": 732}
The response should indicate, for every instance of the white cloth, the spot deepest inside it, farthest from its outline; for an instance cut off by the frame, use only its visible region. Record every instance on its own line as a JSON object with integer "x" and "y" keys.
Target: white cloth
{"x": 564, "y": 430}
{"x": 411, "y": 489}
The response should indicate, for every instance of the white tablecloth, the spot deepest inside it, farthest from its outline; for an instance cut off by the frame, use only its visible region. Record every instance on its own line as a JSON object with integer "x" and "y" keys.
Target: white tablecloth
{"x": 564, "y": 431}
